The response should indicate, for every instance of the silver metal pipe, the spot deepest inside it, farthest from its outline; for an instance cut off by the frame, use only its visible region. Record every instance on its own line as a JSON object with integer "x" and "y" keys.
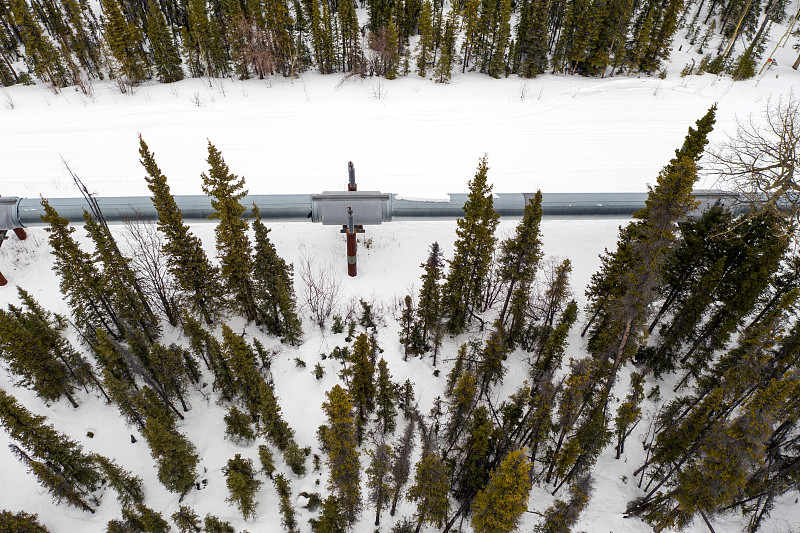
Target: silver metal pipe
{"x": 23, "y": 212}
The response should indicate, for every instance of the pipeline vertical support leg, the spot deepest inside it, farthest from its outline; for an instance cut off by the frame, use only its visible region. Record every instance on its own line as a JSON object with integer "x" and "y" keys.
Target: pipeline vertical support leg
{"x": 351, "y": 254}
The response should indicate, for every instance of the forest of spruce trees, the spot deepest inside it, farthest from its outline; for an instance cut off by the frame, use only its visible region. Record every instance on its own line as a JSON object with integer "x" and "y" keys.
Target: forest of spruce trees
{"x": 708, "y": 298}
{"x": 72, "y": 42}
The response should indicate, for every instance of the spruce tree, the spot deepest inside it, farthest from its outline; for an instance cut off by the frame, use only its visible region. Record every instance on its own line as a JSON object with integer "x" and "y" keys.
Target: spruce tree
{"x": 629, "y": 412}
{"x": 233, "y": 244}
{"x": 378, "y": 473}
{"x": 429, "y": 491}
{"x": 165, "y": 55}
{"x": 186, "y": 258}
{"x": 58, "y": 462}
{"x": 284, "y": 490}
{"x": 81, "y": 282}
{"x": 339, "y": 441}
{"x": 401, "y": 466}
{"x": 385, "y": 399}
{"x": 275, "y": 298}
{"x": 242, "y": 485}
{"x": 501, "y": 504}
{"x": 21, "y": 522}
{"x": 425, "y": 42}
{"x": 430, "y": 301}
{"x": 125, "y": 42}
{"x": 174, "y": 455}
{"x": 362, "y": 382}
{"x": 186, "y": 520}
{"x": 331, "y": 519}
{"x": 519, "y": 259}
{"x": 474, "y": 246}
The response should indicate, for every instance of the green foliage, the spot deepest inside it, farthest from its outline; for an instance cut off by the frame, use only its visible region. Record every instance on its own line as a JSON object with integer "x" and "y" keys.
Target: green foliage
{"x": 378, "y": 473}
{"x": 175, "y": 456}
{"x": 144, "y": 520}
{"x": 242, "y": 485}
{"x": 233, "y": 245}
{"x": 430, "y": 488}
{"x": 239, "y": 427}
{"x": 385, "y": 399}
{"x": 339, "y": 441}
{"x": 284, "y": 490}
{"x": 212, "y": 524}
{"x": 501, "y": 504}
{"x": 331, "y": 520}
{"x": 463, "y": 291}
{"x": 20, "y": 522}
{"x": 187, "y": 260}
{"x": 186, "y": 520}
{"x": 275, "y": 298}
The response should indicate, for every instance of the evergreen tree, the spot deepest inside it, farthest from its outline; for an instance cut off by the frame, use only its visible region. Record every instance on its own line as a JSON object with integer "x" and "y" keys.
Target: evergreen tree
{"x": 474, "y": 464}
{"x": 142, "y": 519}
{"x": 266, "y": 460}
{"x": 519, "y": 258}
{"x": 401, "y": 466}
{"x": 331, "y": 520}
{"x": 41, "y": 55}
{"x": 447, "y": 51}
{"x": 561, "y": 515}
{"x": 233, "y": 245}
{"x": 125, "y": 42}
{"x": 362, "y": 382}
{"x": 284, "y": 490}
{"x": 32, "y": 345}
{"x": 651, "y": 237}
{"x": 20, "y": 522}
{"x": 186, "y": 258}
{"x": 429, "y": 491}
{"x": 242, "y": 485}
{"x": 186, "y": 520}
{"x": 274, "y": 289}
{"x": 81, "y": 282}
{"x": 385, "y": 399}
{"x": 378, "y": 473}
{"x": 338, "y": 440}
{"x": 166, "y": 58}
{"x": 239, "y": 427}
{"x": 58, "y": 462}
{"x": 212, "y": 524}
{"x": 430, "y": 301}
{"x": 410, "y": 331}
{"x": 128, "y": 487}
{"x": 120, "y": 280}
{"x": 532, "y": 45}
{"x": 425, "y": 42}
{"x": 175, "y": 456}
{"x": 497, "y": 62}
{"x": 629, "y": 412}
{"x": 501, "y": 504}
{"x": 463, "y": 290}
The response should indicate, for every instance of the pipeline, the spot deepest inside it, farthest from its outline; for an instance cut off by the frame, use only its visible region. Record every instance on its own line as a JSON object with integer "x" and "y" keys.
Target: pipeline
{"x": 25, "y": 212}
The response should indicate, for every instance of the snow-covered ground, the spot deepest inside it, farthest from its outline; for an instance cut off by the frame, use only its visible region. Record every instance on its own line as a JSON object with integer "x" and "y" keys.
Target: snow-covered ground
{"x": 408, "y": 136}
{"x": 421, "y": 139}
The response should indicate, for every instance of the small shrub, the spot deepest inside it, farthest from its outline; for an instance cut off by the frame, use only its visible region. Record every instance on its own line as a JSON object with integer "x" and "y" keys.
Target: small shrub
{"x": 318, "y": 371}
{"x": 338, "y": 325}
{"x": 299, "y": 363}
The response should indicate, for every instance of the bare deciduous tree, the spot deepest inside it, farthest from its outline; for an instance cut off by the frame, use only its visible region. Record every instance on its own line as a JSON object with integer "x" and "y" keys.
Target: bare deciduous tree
{"x": 761, "y": 162}
{"x": 320, "y": 290}
{"x": 144, "y": 240}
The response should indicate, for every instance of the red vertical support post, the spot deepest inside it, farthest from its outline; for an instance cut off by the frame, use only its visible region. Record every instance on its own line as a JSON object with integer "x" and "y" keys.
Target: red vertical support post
{"x": 352, "y": 246}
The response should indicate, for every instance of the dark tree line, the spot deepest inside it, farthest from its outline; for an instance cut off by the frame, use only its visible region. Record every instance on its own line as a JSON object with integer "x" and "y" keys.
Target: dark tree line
{"x": 69, "y": 43}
